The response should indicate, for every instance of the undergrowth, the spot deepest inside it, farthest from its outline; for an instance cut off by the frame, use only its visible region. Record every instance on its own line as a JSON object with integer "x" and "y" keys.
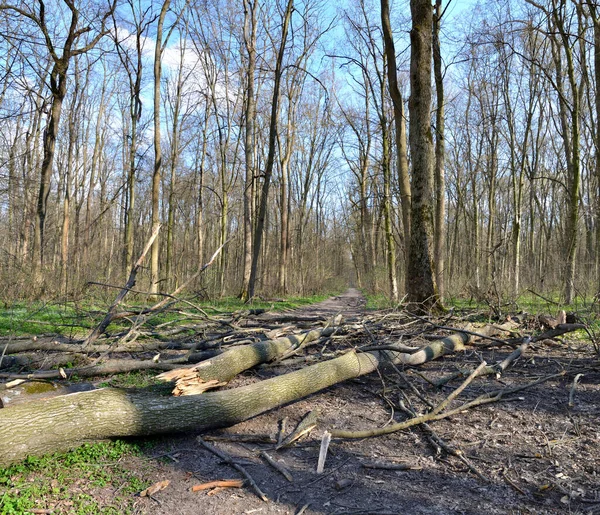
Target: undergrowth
{"x": 88, "y": 480}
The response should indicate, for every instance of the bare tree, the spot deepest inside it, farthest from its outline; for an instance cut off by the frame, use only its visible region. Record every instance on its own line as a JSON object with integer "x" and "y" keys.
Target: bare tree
{"x": 80, "y": 38}
{"x": 264, "y": 197}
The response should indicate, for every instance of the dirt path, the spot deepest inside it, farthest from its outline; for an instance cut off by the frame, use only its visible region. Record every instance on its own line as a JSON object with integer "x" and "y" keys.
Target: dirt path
{"x": 351, "y": 304}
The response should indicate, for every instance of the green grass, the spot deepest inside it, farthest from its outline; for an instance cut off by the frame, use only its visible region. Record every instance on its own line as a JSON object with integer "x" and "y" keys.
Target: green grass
{"x": 88, "y": 480}
{"x": 35, "y": 319}
{"x": 41, "y": 318}
{"x": 228, "y": 304}
{"x": 378, "y": 301}
{"x": 137, "y": 379}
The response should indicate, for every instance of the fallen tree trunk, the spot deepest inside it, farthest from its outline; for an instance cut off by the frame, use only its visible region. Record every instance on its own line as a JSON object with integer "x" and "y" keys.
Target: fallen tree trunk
{"x": 65, "y": 422}
{"x": 113, "y": 366}
{"x": 62, "y": 423}
{"x": 226, "y": 366}
{"x": 55, "y": 346}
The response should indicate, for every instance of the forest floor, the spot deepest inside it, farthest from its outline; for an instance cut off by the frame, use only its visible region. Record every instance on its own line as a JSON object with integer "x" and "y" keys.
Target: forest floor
{"x": 535, "y": 451}
{"x": 537, "y": 454}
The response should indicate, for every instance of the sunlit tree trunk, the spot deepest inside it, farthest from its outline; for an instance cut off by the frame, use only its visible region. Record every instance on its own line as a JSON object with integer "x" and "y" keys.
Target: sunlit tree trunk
{"x": 440, "y": 151}
{"x": 399, "y": 120}
{"x": 421, "y": 285}
{"x": 250, "y": 8}
{"x": 156, "y": 175}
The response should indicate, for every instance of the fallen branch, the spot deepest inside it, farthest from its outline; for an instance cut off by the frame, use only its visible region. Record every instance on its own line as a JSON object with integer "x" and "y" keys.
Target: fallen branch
{"x": 439, "y": 444}
{"x": 559, "y": 330}
{"x": 389, "y": 466}
{"x": 487, "y": 398}
{"x": 442, "y": 406}
{"x": 229, "y": 460}
{"x": 112, "y": 315}
{"x": 114, "y": 366}
{"x": 229, "y": 364}
{"x": 65, "y": 422}
{"x": 102, "y": 326}
{"x": 277, "y": 466}
{"x": 497, "y": 369}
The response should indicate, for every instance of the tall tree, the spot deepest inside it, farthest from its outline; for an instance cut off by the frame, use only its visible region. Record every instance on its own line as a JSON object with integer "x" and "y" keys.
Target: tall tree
{"x": 399, "y": 119}
{"x": 264, "y": 197}
{"x": 250, "y": 15}
{"x": 421, "y": 287}
{"x": 440, "y": 153}
{"x": 156, "y": 175}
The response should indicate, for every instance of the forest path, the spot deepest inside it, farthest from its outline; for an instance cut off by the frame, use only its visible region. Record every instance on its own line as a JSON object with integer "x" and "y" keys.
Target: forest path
{"x": 350, "y": 304}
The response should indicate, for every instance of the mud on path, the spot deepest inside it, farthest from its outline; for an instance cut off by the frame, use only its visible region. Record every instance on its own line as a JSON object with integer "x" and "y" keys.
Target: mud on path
{"x": 534, "y": 452}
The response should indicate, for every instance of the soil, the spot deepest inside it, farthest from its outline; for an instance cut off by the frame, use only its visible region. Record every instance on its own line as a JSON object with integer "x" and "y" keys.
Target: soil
{"x": 531, "y": 453}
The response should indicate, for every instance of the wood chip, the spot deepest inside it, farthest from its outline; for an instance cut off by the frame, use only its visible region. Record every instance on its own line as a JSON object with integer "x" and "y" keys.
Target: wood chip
{"x": 156, "y": 487}
{"x": 223, "y": 483}
{"x": 323, "y": 451}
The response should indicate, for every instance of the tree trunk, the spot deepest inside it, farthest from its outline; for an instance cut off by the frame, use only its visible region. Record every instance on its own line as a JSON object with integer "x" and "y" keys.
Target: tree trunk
{"x": 58, "y": 86}
{"x": 156, "y": 175}
{"x": 421, "y": 285}
{"x": 440, "y": 151}
{"x": 596, "y": 22}
{"x": 249, "y": 141}
{"x": 399, "y": 120}
{"x": 64, "y": 422}
{"x": 264, "y": 197}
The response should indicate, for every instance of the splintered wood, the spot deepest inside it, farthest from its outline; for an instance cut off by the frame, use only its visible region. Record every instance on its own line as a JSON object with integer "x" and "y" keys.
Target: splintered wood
{"x": 305, "y": 426}
{"x": 156, "y": 487}
{"x": 223, "y": 483}
{"x": 193, "y": 385}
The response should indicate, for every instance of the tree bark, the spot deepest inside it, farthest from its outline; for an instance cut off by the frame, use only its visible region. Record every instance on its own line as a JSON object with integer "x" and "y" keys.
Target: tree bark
{"x": 399, "y": 119}
{"x": 249, "y": 141}
{"x": 440, "y": 154}
{"x": 421, "y": 287}
{"x": 156, "y": 175}
{"x": 596, "y": 23}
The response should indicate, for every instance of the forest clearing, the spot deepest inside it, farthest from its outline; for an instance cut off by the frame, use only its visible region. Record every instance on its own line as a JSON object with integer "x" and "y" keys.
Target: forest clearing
{"x": 298, "y": 257}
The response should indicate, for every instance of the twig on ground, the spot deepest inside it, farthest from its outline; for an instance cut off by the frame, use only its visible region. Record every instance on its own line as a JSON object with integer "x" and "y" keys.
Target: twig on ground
{"x": 389, "y": 466}
{"x": 440, "y": 444}
{"x": 497, "y": 369}
{"x": 229, "y": 460}
{"x": 466, "y": 331}
{"x": 277, "y": 466}
{"x": 442, "y": 406}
